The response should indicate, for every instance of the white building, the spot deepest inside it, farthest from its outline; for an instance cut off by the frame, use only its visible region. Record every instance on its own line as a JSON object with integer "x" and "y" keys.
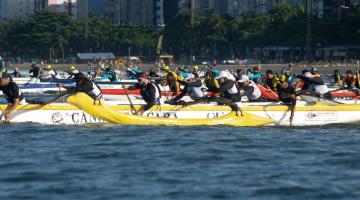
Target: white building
{"x": 10, "y": 9}
{"x": 68, "y": 6}
{"x": 145, "y": 12}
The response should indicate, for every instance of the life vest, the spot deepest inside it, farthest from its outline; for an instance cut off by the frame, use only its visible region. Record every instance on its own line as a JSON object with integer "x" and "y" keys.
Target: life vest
{"x": 233, "y": 90}
{"x": 113, "y": 75}
{"x": 195, "y": 92}
{"x": 256, "y": 94}
{"x": 96, "y": 91}
{"x": 157, "y": 93}
{"x": 319, "y": 89}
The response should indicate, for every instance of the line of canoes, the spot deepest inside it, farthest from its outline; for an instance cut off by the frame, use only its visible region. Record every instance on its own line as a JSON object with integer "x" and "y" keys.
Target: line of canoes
{"x": 79, "y": 109}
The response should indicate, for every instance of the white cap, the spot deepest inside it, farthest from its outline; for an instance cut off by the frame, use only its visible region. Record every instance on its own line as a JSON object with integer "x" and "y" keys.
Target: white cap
{"x": 243, "y": 78}
{"x": 190, "y": 76}
{"x": 222, "y": 75}
{"x": 307, "y": 75}
{"x": 227, "y": 75}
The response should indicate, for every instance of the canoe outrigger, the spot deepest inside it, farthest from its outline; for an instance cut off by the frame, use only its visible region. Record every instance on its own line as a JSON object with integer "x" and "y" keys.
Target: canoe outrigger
{"x": 106, "y": 113}
{"x": 305, "y": 114}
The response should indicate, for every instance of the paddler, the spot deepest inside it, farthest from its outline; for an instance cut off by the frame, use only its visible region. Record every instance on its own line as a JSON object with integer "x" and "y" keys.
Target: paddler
{"x": 286, "y": 91}
{"x": 337, "y": 77}
{"x": 255, "y": 75}
{"x": 35, "y": 70}
{"x": 349, "y": 80}
{"x": 172, "y": 81}
{"x": 149, "y": 92}
{"x": 84, "y": 84}
{"x": 315, "y": 82}
{"x": 51, "y": 72}
{"x": 227, "y": 87}
{"x": 211, "y": 82}
{"x": 287, "y": 95}
{"x": 251, "y": 90}
{"x": 12, "y": 94}
{"x": 16, "y": 73}
{"x": 109, "y": 74}
{"x": 271, "y": 80}
{"x": 193, "y": 86}
{"x": 195, "y": 71}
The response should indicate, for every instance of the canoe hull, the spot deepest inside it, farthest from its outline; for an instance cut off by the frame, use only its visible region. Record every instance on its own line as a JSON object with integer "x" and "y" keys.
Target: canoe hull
{"x": 304, "y": 115}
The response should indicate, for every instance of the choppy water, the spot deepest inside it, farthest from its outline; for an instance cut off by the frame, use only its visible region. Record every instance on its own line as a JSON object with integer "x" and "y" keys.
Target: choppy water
{"x": 127, "y": 162}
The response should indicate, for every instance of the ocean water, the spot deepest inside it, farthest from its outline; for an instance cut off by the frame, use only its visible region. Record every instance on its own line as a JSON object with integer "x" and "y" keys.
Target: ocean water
{"x": 129, "y": 162}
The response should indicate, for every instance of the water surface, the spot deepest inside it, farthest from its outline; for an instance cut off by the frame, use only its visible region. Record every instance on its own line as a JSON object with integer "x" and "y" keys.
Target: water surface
{"x": 129, "y": 162}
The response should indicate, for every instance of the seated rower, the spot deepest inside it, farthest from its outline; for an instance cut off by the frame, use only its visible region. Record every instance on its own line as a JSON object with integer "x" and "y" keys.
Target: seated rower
{"x": 172, "y": 81}
{"x": 337, "y": 77}
{"x": 211, "y": 83}
{"x": 286, "y": 91}
{"x": 255, "y": 75}
{"x": 16, "y": 73}
{"x": 287, "y": 95}
{"x": 51, "y": 73}
{"x": 196, "y": 71}
{"x": 227, "y": 87}
{"x": 35, "y": 70}
{"x": 84, "y": 84}
{"x": 271, "y": 80}
{"x": 193, "y": 86}
{"x": 251, "y": 90}
{"x": 315, "y": 82}
{"x": 12, "y": 94}
{"x": 349, "y": 80}
{"x": 149, "y": 91}
{"x": 109, "y": 74}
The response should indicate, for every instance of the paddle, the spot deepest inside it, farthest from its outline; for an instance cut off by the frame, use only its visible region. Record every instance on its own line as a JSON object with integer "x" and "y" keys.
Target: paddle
{"x": 131, "y": 104}
{"x": 358, "y": 77}
{"x": 29, "y": 80}
{"x": 312, "y": 94}
{"x": 292, "y": 114}
{"x": 60, "y": 96}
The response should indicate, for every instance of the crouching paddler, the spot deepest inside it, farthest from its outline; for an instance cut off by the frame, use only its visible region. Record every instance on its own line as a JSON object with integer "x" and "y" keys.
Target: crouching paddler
{"x": 149, "y": 91}
{"x": 12, "y": 94}
{"x": 83, "y": 84}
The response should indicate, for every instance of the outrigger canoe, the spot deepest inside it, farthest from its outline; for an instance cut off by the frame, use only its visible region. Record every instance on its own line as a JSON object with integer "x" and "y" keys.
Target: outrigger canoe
{"x": 312, "y": 114}
{"x": 106, "y": 113}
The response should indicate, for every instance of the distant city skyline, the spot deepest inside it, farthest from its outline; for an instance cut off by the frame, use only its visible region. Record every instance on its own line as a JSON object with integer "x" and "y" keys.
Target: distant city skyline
{"x": 158, "y": 12}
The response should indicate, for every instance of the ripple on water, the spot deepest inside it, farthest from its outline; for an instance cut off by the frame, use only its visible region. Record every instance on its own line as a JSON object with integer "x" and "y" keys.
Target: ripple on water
{"x": 113, "y": 162}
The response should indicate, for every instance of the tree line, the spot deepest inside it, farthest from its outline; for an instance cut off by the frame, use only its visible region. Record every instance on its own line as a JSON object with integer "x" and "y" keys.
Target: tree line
{"x": 205, "y": 34}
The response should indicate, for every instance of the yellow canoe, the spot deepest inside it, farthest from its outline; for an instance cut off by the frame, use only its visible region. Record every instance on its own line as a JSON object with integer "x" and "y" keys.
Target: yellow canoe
{"x": 106, "y": 113}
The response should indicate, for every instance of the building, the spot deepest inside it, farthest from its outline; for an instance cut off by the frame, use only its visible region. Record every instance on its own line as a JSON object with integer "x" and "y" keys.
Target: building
{"x": 97, "y": 7}
{"x": 145, "y": 12}
{"x": 68, "y": 6}
{"x": 219, "y": 6}
{"x": 10, "y": 9}
{"x": 40, "y": 5}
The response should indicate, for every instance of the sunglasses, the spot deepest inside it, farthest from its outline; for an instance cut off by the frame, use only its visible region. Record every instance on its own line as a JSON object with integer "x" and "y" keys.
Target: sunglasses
{"x": 139, "y": 79}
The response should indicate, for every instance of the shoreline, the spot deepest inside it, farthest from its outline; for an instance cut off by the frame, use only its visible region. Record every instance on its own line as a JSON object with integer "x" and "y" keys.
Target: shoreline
{"x": 264, "y": 67}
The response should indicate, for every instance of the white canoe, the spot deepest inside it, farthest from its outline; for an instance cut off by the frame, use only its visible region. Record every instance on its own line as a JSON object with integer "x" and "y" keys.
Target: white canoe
{"x": 305, "y": 115}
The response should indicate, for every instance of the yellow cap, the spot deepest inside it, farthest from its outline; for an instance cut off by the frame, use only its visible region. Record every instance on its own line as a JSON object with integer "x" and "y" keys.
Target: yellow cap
{"x": 196, "y": 67}
{"x": 172, "y": 74}
{"x": 180, "y": 78}
{"x": 72, "y": 67}
{"x": 166, "y": 68}
{"x": 48, "y": 67}
{"x": 283, "y": 78}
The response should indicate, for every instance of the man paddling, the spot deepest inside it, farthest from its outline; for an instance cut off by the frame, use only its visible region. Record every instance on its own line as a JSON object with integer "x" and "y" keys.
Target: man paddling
{"x": 250, "y": 89}
{"x": 35, "y": 70}
{"x": 287, "y": 95}
{"x": 12, "y": 94}
{"x": 84, "y": 84}
{"x": 193, "y": 86}
{"x": 149, "y": 92}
